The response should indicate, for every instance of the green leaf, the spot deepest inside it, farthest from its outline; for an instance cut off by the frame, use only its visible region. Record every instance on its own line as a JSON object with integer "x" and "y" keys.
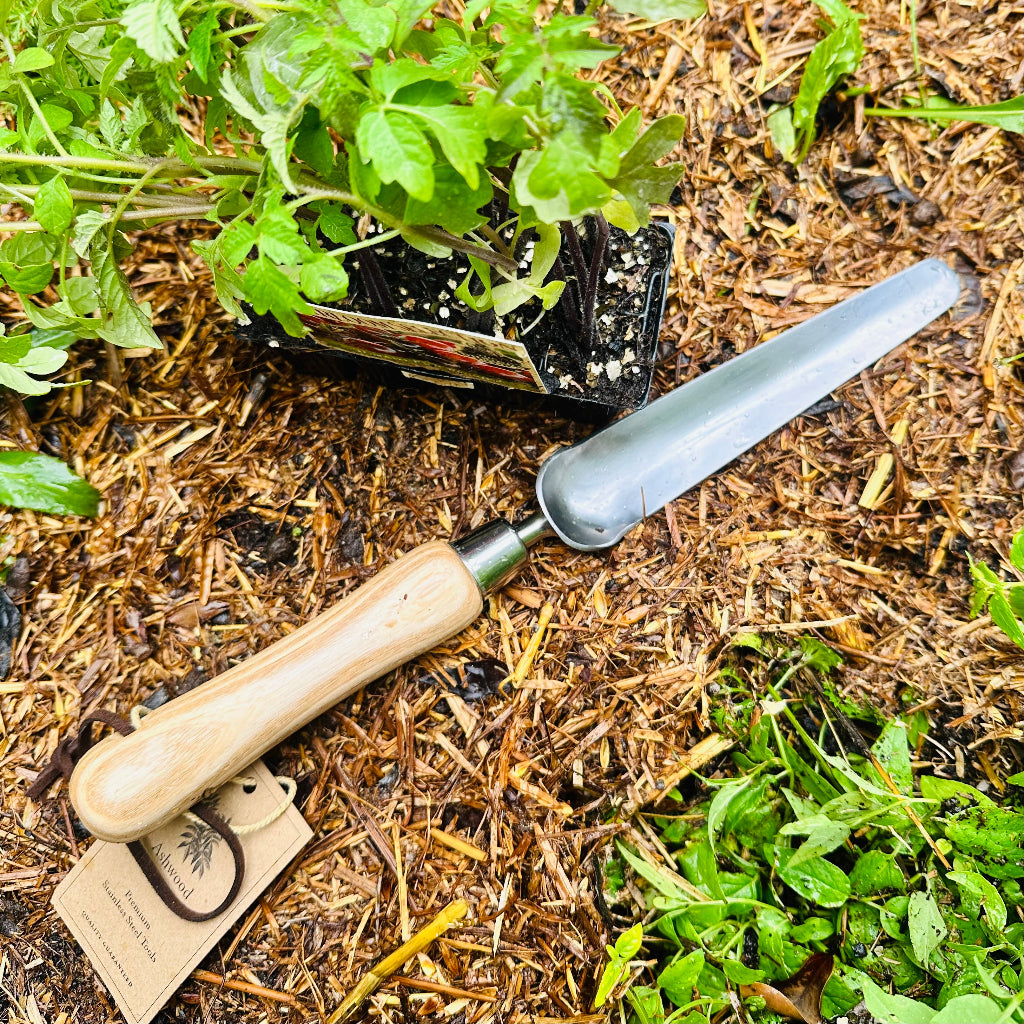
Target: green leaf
{"x": 398, "y": 150}
{"x": 937, "y": 789}
{"x": 153, "y": 24}
{"x": 87, "y": 223}
{"x": 323, "y": 279}
{"x": 837, "y": 55}
{"x": 818, "y": 880}
{"x": 459, "y": 132}
{"x": 557, "y": 181}
{"x": 888, "y": 1008}
{"x": 741, "y": 974}
{"x": 30, "y": 480}
{"x": 660, "y": 10}
{"x": 726, "y": 793}
{"x": 54, "y": 206}
{"x": 814, "y": 929}
{"x": 236, "y": 241}
{"x": 1017, "y": 550}
{"x": 279, "y": 235}
{"x": 982, "y": 889}
{"x": 823, "y": 836}
{"x": 780, "y": 124}
{"x": 199, "y": 44}
{"x": 453, "y": 205}
{"x": 876, "y": 871}
{"x": 1002, "y": 615}
{"x": 1008, "y": 115}
{"x": 893, "y": 753}
{"x": 270, "y": 290}
{"x": 28, "y": 278}
{"x": 627, "y": 945}
{"x": 679, "y": 978}
{"x": 126, "y": 322}
{"x": 969, "y": 1009}
{"x": 33, "y": 58}
{"x": 927, "y": 928}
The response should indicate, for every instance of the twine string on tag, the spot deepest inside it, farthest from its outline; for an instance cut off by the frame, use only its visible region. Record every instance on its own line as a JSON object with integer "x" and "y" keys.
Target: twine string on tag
{"x": 73, "y": 747}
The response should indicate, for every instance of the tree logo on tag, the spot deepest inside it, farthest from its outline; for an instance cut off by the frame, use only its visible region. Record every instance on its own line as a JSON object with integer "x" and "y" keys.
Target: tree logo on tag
{"x": 199, "y": 840}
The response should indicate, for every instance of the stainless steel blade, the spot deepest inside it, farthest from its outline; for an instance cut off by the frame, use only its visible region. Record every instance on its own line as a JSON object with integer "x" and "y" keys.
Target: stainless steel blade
{"x": 597, "y": 490}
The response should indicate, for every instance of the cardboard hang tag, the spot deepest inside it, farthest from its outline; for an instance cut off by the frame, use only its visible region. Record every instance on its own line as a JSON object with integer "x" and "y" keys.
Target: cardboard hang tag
{"x": 140, "y": 948}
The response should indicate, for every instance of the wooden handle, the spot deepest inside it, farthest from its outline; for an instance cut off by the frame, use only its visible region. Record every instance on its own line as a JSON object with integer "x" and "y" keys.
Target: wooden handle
{"x": 127, "y": 786}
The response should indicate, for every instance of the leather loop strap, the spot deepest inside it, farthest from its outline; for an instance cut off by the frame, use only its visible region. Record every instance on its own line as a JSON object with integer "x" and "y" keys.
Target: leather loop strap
{"x": 164, "y": 891}
{"x": 61, "y": 765}
{"x": 72, "y": 747}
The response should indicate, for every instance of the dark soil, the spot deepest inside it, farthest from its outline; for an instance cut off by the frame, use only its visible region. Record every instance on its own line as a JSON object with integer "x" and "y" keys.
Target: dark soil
{"x": 614, "y": 370}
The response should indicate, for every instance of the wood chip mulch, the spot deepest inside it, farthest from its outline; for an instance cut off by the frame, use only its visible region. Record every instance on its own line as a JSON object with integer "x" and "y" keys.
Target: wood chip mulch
{"x": 242, "y": 498}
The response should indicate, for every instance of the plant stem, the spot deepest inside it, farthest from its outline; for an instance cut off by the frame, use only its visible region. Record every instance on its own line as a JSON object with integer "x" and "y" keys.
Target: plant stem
{"x": 20, "y": 225}
{"x": 384, "y": 236}
{"x": 30, "y": 97}
{"x": 85, "y": 196}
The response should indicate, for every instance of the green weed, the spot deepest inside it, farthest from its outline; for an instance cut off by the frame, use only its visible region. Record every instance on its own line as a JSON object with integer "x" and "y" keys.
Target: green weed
{"x": 1008, "y": 115}
{"x": 1005, "y": 601}
{"x": 828, "y": 872}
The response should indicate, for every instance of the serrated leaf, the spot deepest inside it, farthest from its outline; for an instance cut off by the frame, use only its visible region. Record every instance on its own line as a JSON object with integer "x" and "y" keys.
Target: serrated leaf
{"x": 454, "y": 205}
{"x": 398, "y": 150}
{"x": 557, "y": 182}
{"x": 236, "y": 241}
{"x": 154, "y": 25}
{"x": 269, "y": 290}
{"x": 279, "y": 235}
{"x": 199, "y": 44}
{"x": 927, "y": 928}
{"x": 33, "y": 58}
{"x": 126, "y": 322}
{"x": 31, "y": 480}
{"x": 54, "y": 206}
{"x": 459, "y": 132}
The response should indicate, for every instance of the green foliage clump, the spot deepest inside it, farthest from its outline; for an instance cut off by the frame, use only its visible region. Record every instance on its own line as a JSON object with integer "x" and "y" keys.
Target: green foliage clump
{"x": 911, "y": 881}
{"x": 1005, "y": 601}
{"x": 281, "y": 124}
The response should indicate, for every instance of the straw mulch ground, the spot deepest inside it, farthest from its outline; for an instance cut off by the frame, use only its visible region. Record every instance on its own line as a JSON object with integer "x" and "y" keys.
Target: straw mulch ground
{"x": 243, "y": 498}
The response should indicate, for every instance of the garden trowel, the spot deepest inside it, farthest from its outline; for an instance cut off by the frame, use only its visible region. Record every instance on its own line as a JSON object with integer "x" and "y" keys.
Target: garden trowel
{"x": 590, "y": 495}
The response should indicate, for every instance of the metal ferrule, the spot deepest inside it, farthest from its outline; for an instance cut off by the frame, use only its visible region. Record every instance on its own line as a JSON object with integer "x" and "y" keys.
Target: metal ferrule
{"x": 496, "y": 551}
